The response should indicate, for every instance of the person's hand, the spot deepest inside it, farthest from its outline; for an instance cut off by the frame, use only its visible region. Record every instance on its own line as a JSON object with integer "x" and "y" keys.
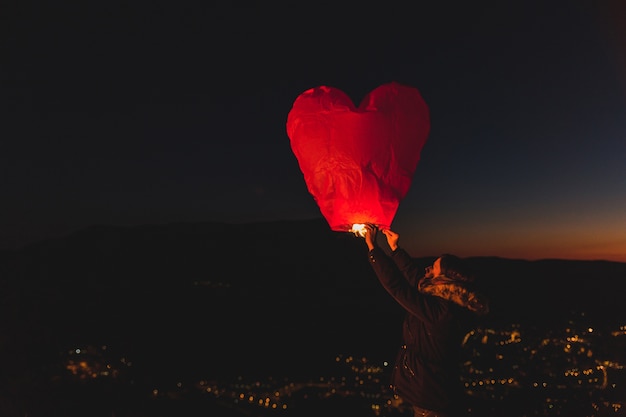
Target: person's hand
{"x": 392, "y": 238}
{"x": 370, "y": 236}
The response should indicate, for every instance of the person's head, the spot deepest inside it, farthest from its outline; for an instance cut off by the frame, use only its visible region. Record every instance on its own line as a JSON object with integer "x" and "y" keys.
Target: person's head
{"x": 434, "y": 270}
{"x": 453, "y": 267}
{"x": 450, "y": 277}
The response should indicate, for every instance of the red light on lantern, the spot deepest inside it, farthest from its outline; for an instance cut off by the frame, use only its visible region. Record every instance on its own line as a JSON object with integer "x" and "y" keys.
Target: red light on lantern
{"x": 358, "y": 163}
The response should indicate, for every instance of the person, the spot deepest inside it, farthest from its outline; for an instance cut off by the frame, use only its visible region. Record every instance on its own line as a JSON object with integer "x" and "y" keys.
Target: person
{"x": 439, "y": 305}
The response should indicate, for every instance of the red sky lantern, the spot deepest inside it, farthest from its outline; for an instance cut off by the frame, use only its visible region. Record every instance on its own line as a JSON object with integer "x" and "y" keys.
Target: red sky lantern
{"x": 358, "y": 163}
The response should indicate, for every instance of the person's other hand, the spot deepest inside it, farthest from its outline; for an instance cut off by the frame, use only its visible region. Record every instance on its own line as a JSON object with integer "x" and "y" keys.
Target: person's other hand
{"x": 392, "y": 238}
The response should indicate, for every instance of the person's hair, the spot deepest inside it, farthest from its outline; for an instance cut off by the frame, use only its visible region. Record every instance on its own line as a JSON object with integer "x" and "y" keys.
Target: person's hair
{"x": 454, "y": 267}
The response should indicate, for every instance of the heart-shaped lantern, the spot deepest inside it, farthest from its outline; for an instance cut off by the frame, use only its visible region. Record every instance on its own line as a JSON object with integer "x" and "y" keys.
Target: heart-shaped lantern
{"x": 358, "y": 163}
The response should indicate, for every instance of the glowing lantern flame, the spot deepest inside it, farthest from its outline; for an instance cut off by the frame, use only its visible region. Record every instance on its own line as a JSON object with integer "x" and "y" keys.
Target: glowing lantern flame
{"x": 359, "y": 229}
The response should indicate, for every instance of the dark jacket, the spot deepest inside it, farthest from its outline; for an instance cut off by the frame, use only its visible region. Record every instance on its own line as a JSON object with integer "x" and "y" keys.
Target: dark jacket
{"x": 427, "y": 368}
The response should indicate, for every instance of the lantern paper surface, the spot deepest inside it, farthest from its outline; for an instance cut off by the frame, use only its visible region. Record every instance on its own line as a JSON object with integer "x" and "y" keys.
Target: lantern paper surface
{"x": 358, "y": 162}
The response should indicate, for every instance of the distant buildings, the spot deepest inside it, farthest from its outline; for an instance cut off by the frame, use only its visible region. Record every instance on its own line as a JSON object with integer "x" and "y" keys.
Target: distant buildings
{"x": 514, "y": 371}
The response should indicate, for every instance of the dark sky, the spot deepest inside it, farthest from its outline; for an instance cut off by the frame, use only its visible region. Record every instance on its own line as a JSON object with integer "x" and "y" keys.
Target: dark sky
{"x": 158, "y": 112}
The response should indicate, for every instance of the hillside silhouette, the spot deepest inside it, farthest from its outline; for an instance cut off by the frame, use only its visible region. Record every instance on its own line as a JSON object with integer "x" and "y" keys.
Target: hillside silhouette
{"x": 217, "y": 290}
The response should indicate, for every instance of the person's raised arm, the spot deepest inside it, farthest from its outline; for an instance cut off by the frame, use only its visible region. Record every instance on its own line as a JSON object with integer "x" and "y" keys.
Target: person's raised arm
{"x": 370, "y": 236}
{"x": 392, "y": 239}
{"x": 404, "y": 262}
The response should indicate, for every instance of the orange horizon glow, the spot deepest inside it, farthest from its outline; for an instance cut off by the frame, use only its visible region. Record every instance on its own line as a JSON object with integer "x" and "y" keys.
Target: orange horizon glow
{"x": 526, "y": 244}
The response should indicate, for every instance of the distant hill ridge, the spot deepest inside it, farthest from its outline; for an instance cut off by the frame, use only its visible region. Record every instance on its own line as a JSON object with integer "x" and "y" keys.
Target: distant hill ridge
{"x": 201, "y": 292}
{"x": 285, "y": 256}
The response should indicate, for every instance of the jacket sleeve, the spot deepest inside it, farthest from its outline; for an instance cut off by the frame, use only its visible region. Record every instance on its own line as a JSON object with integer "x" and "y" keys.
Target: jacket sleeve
{"x": 411, "y": 272}
{"x": 391, "y": 274}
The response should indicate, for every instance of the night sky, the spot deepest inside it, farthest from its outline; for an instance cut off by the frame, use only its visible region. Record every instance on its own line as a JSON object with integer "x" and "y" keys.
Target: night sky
{"x": 159, "y": 112}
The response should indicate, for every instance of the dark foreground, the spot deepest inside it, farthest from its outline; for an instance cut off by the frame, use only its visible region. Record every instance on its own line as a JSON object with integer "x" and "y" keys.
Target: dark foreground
{"x": 170, "y": 321}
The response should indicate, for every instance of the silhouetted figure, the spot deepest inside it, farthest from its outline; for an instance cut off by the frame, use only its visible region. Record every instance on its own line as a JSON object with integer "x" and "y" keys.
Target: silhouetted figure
{"x": 440, "y": 303}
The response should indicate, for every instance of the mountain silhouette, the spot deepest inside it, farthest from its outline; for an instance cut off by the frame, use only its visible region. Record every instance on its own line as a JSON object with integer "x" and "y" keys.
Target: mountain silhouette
{"x": 218, "y": 290}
